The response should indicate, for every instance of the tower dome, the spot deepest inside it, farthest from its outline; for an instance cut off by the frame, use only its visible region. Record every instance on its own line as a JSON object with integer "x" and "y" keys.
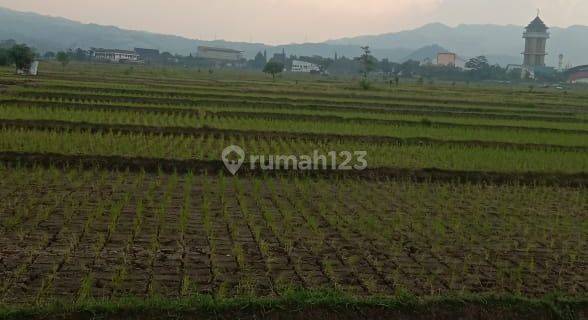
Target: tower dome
{"x": 537, "y": 25}
{"x": 535, "y": 36}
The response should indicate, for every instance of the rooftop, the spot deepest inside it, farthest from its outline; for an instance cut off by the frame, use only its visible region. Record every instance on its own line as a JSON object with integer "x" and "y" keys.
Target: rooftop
{"x": 537, "y": 25}
{"x": 113, "y": 50}
{"x": 145, "y": 50}
{"x": 204, "y": 48}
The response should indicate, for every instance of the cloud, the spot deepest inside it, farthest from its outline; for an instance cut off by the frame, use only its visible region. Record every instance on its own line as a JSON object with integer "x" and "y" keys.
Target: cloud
{"x": 554, "y": 12}
{"x": 360, "y": 8}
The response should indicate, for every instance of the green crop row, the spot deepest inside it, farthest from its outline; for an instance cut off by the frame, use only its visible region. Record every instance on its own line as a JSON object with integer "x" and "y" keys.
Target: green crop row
{"x": 440, "y": 94}
{"x": 424, "y": 130}
{"x": 424, "y": 110}
{"x": 207, "y": 147}
{"x": 294, "y": 99}
{"x": 415, "y": 116}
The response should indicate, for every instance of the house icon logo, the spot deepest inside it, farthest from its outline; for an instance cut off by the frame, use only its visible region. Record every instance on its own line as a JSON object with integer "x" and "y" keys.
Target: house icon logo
{"x": 233, "y": 158}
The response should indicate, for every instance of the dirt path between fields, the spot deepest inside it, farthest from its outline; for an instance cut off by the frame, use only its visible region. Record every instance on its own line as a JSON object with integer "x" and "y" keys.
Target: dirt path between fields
{"x": 439, "y": 311}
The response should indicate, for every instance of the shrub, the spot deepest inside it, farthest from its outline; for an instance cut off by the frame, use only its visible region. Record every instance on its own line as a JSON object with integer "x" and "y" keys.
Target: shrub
{"x": 426, "y": 122}
{"x": 365, "y": 84}
{"x": 4, "y": 57}
{"x": 274, "y": 68}
{"x": 21, "y": 55}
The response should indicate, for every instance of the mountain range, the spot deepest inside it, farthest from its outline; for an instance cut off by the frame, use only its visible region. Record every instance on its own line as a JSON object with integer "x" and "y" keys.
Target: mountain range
{"x": 501, "y": 44}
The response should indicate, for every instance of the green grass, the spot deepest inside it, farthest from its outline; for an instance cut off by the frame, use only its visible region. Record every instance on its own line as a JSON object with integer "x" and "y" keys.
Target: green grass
{"x": 399, "y": 242}
{"x": 338, "y": 98}
{"x": 287, "y": 81}
{"x": 415, "y": 116}
{"x": 293, "y": 303}
{"x": 298, "y": 126}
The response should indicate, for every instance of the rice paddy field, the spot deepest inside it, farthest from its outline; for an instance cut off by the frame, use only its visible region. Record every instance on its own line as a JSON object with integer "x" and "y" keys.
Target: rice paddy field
{"x": 115, "y": 201}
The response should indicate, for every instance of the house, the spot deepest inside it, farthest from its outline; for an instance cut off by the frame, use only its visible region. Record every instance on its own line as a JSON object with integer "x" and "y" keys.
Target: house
{"x": 114, "y": 55}
{"x": 303, "y": 66}
{"x": 31, "y": 70}
{"x": 220, "y": 54}
{"x": 147, "y": 54}
{"x": 280, "y": 57}
{"x": 446, "y": 59}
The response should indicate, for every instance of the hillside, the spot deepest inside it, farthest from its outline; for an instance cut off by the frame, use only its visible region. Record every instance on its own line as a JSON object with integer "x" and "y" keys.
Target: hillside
{"x": 502, "y": 44}
{"x": 51, "y": 33}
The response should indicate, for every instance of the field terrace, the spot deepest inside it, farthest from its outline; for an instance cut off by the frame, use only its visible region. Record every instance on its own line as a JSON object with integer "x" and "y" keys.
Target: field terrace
{"x": 113, "y": 186}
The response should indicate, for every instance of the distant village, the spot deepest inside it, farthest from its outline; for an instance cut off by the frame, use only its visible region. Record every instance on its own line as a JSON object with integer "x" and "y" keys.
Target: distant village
{"x": 204, "y": 57}
{"x": 446, "y": 65}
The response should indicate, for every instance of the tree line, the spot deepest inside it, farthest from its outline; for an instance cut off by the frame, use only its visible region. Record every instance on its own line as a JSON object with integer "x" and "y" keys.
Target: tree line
{"x": 366, "y": 66}
{"x": 19, "y": 55}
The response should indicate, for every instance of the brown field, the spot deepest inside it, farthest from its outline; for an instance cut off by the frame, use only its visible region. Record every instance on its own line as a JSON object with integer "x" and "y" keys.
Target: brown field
{"x": 125, "y": 233}
{"x": 112, "y": 187}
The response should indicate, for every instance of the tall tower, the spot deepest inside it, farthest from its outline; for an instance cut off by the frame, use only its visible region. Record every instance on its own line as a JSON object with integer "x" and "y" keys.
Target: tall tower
{"x": 535, "y": 36}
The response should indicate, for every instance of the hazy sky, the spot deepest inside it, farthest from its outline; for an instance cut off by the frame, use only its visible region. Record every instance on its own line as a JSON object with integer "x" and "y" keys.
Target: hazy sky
{"x": 285, "y": 21}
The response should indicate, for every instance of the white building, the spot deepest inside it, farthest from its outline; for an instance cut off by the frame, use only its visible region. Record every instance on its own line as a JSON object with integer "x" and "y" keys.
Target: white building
{"x": 221, "y": 54}
{"x": 450, "y": 59}
{"x": 114, "y": 55}
{"x": 303, "y": 66}
{"x": 447, "y": 59}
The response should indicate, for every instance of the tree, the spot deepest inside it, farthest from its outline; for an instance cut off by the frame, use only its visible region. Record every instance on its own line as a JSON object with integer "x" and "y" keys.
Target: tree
{"x": 167, "y": 57}
{"x": 497, "y": 72}
{"x": 4, "y": 57}
{"x": 367, "y": 61}
{"x": 477, "y": 63}
{"x": 259, "y": 61}
{"x": 367, "y": 65}
{"x": 79, "y": 54}
{"x": 479, "y": 67}
{"x": 441, "y": 72}
{"x": 386, "y": 66}
{"x": 324, "y": 64}
{"x": 63, "y": 58}
{"x": 22, "y": 56}
{"x": 410, "y": 67}
{"x": 345, "y": 66}
{"x": 273, "y": 68}
{"x": 49, "y": 55}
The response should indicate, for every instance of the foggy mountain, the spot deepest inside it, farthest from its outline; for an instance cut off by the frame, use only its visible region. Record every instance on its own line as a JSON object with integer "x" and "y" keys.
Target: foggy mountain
{"x": 54, "y": 34}
{"x": 501, "y": 44}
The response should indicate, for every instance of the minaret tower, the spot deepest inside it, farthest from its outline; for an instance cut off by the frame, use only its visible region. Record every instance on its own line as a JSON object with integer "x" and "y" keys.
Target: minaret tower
{"x": 535, "y": 36}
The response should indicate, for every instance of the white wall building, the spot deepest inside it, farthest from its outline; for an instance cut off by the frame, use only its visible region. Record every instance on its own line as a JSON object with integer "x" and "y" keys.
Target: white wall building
{"x": 303, "y": 66}
{"x": 114, "y": 55}
{"x": 450, "y": 59}
{"x": 446, "y": 59}
{"x": 222, "y": 54}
